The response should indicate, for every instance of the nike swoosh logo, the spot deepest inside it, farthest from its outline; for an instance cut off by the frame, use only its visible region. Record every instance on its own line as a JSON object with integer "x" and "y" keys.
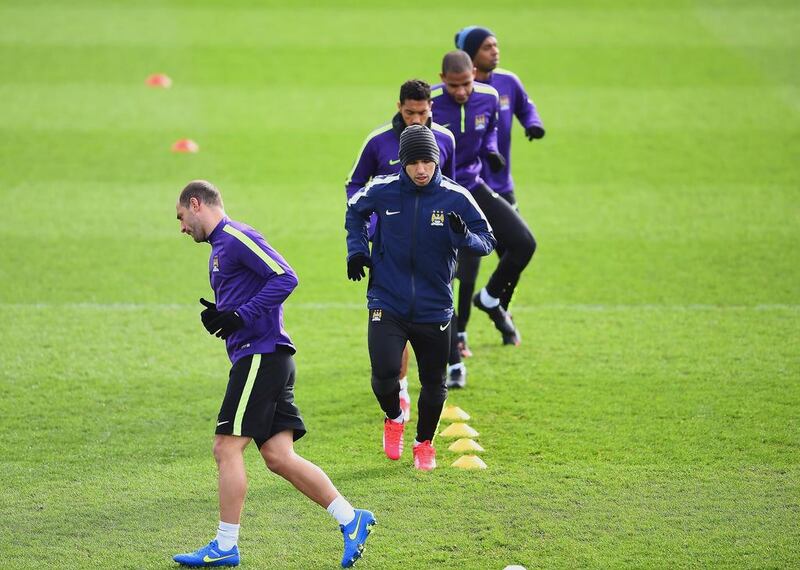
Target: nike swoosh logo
{"x": 393, "y": 162}
{"x": 207, "y": 558}
{"x": 355, "y": 532}
{"x": 388, "y": 213}
{"x": 446, "y": 125}
{"x": 444, "y": 328}
{"x": 220, "y": 423}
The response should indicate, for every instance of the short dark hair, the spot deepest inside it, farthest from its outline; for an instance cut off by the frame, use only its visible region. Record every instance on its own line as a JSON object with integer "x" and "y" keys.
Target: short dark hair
{"x": 203, "y": 190}
{"x": 416, "y": 90}
{"x": 456, "y": 61}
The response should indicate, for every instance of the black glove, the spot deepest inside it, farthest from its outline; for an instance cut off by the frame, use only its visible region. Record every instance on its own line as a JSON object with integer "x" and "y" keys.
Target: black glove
{"x": 356, "y": 265}
{"x": 225, "y": 324}
{"x": 457, "y": 225}
{"x": 534, "y": 132}
{"x": 496, "y": 161}
{"x": 209, "y": 313}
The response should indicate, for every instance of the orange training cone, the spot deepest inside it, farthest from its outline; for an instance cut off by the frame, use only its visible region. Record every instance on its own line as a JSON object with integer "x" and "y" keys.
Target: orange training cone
{"x": 185, "y": 145}
{"x": 159, "y": 80}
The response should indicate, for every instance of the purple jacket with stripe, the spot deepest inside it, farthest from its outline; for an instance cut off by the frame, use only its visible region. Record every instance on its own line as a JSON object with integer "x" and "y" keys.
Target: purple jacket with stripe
{"x": 474, "y": 125}
{"x": 251, "y": 278}
{"x": 514, "y": 102}
{"x": 378, "y": 154}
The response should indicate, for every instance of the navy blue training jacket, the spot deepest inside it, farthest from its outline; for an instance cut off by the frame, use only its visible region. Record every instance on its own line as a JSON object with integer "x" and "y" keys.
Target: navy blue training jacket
{"x": 414, "y": 249}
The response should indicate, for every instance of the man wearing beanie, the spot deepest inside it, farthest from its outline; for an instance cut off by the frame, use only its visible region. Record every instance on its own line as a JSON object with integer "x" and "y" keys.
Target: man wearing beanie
{"x": 481, "y": 45}
{"x": 470, "y": 110}
{"x": 424, "y": 218}
{"x": 378, "y": 156}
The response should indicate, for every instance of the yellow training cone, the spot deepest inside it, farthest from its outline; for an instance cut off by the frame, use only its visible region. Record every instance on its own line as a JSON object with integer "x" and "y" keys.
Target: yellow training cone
{"x": 459, "y": 430}
{"x": 454, "y": 413}
{"x": 465, "y": 444}
{"x": 469, "y": 462}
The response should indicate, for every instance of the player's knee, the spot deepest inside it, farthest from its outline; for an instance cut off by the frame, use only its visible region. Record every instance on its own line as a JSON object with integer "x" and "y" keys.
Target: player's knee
{"x": 434, "y": 394}
{"x": 386, "y": 381}
{"x": 221, "y": 450}
{"x": 276, "y": 462}
{"x": 523, "y": 250}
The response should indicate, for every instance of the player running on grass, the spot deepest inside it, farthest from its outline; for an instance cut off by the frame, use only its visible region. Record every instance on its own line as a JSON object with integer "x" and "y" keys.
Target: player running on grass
{"x": 469, "y": 109}
{"x": 481, "y": 45}
{"x": 423, "y": 219}
{"x": 377, "y": 157}
{"x": 250, "y": 282}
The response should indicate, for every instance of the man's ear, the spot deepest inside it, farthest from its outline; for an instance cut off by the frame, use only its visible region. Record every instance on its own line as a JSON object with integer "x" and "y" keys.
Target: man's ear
{"x": 194, "y": 203}
{"x": 398, "y": 105}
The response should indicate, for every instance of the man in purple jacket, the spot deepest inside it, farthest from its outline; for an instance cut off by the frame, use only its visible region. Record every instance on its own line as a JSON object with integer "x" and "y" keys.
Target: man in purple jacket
{"x": 378, "y": 156}
{"x": 251, "y": 281}
{"x": 481, "y": 45}
{"x": 470, "y": 110}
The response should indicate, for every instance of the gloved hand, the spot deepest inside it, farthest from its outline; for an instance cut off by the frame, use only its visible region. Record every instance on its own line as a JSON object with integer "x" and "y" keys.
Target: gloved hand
{"x": 457, "y": 225}
{"x": 356, "y": 265}
{"x": 534, "y": 132}
{"x": 225, "y": 324}
{"x": 496, "y": 161}
{"x": 209, "y": 313}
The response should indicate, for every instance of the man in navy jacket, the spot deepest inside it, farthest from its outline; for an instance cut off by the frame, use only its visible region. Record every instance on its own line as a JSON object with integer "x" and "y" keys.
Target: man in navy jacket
{"x": 424, "y": 218}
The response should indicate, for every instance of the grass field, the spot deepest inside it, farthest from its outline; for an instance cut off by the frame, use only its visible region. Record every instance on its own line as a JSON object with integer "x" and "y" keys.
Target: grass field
{"x": 650, "y": 418}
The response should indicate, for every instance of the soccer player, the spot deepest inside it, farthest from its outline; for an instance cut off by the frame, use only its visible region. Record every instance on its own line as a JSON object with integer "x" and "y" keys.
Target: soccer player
{"x": 470, "y": 110}
{"x": 377, "y": 157}
{"x": 481, "y": 45}
{"x": 423, "y": 219}
{"x": 251, "y": 281}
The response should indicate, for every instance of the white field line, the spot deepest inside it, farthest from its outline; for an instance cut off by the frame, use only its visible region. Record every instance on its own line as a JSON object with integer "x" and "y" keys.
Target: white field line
{"x": 583, "y": 308}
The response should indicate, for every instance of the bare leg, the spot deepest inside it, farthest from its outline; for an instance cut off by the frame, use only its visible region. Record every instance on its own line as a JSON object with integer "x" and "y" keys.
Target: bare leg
{"x": 228, "y": 452}
{"x": 278, "y": 453}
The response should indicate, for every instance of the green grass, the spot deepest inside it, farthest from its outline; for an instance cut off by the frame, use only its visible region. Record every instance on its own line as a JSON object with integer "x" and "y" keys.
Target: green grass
{"x": 650, "y": 418}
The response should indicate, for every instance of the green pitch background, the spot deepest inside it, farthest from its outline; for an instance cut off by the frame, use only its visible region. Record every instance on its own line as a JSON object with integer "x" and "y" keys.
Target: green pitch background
{"x": 650, "y": 418}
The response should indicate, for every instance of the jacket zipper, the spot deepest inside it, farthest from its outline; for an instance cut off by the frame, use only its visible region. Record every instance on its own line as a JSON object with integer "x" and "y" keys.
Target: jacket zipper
{"x": 413, "y": 256}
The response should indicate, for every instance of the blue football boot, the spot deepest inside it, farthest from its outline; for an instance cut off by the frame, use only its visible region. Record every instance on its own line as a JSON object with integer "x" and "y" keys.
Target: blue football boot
{"x": 355, "y": 535}
{"x": 209, "y": 555}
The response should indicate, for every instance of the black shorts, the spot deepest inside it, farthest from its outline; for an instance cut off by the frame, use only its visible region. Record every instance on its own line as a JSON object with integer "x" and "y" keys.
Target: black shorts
{"x": 259, "y": 400}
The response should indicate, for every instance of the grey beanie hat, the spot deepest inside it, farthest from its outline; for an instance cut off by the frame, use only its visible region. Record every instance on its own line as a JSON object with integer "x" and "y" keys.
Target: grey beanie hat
{"x": 418, "y": 143}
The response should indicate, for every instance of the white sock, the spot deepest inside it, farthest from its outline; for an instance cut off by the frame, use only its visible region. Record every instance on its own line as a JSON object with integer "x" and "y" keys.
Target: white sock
{"x": 451, "y": 367}
{"x": 404, "y": 384}
{"x": 227, "y": 535}
{"x": 487, "y": 300}
{"x": 398, "y": 419}
{"x": 341, "y": 510}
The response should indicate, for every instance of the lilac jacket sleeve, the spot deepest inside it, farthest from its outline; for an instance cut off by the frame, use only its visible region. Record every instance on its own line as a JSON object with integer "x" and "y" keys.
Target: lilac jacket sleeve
{"x": 490, "y": 138}
{"x": 524, "y": 108}
{"x": 267, "y": 263}
{"x": 366, "y": 165}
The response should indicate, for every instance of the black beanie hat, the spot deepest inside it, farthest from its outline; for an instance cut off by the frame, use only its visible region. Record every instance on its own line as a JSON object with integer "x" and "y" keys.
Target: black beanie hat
{"x": 418, "y": 143}
{"x": 470, "y": 39}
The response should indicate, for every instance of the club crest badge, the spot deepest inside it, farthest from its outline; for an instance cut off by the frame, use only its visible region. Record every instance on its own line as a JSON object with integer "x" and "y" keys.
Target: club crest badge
{"x": 480, "y": 122}
{"x": 437, "y": 218}
{"x": 215, "y": 264}
{"x": 505, "y": 103}
{"x": 377, "y": 315}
